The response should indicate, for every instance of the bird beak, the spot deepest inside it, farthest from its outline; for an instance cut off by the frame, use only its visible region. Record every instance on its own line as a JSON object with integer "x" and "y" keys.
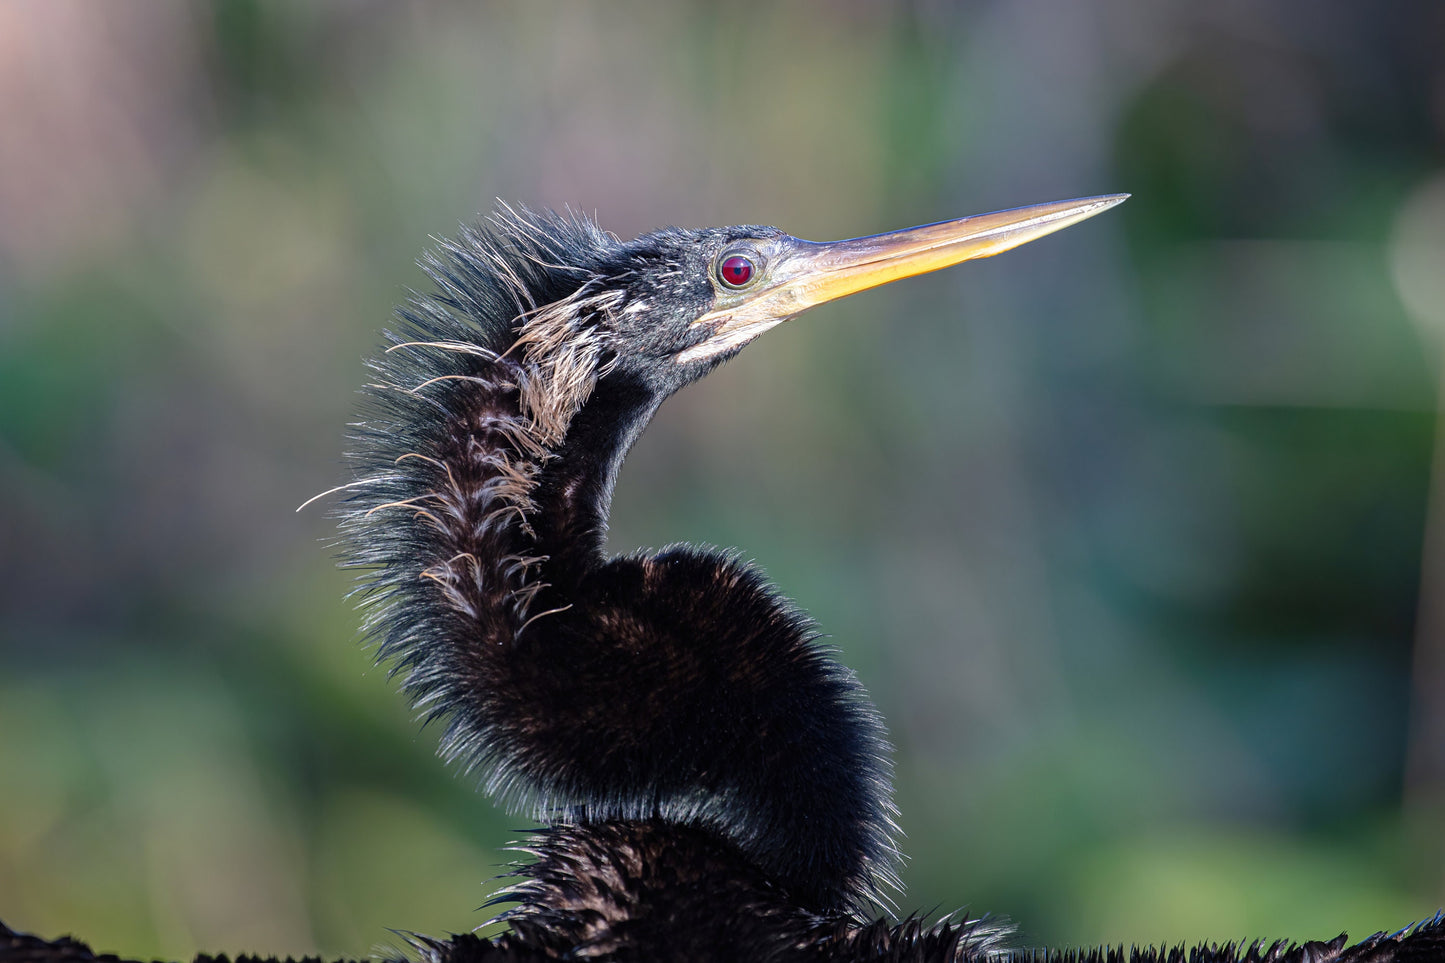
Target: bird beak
{"x": 803, "y": 274}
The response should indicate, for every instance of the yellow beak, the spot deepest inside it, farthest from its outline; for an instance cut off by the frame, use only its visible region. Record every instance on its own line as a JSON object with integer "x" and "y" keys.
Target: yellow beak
{"x": 802, "y": 274}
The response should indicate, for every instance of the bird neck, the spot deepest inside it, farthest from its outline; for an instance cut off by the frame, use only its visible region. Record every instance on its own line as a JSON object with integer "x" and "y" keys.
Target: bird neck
{"x": 573, "y": 493}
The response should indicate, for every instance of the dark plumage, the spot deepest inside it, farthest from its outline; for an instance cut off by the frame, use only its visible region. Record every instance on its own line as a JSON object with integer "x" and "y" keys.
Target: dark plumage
{"x": 713, "y": 784}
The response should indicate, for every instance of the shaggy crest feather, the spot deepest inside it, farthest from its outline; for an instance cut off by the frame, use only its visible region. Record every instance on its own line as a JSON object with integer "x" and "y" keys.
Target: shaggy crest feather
{"x": 452, "y": 446}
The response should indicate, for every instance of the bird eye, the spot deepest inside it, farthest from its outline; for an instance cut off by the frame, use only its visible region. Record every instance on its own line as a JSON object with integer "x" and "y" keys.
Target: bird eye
{"x": 736, "y": 270}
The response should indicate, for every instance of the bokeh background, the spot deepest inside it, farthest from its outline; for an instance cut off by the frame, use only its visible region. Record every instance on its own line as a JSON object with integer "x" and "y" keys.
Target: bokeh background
{"x": 1129, "y": 532}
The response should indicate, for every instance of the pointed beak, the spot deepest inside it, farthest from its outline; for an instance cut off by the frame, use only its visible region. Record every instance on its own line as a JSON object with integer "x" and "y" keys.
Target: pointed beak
{"x": 803, "y": 274}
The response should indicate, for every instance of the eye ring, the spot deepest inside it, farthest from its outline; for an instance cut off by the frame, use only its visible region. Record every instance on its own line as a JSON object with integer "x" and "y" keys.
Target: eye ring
{"x": 737, "y": 269}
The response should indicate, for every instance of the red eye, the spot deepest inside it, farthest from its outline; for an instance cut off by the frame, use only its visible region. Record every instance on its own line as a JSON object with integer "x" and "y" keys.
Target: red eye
{"x": 736, "y": 270}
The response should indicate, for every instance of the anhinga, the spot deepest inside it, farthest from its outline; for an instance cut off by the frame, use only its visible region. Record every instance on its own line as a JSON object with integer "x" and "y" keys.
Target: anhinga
{"x": 713, "y": 784}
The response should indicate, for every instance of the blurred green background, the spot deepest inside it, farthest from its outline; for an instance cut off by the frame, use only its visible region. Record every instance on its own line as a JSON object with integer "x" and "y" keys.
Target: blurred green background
{"x": 1127, "y": 532}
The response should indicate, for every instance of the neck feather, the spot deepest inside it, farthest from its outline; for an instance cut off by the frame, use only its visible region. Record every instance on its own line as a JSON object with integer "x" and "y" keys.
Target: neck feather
{"x": 573, "y": 493}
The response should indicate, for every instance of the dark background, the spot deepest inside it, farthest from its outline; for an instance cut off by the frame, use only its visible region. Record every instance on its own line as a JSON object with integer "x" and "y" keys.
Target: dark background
{"x": 1124, "y": 531}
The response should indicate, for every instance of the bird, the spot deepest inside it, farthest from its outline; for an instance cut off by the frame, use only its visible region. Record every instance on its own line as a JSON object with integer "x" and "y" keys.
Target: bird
{"x": 710, "y": 782}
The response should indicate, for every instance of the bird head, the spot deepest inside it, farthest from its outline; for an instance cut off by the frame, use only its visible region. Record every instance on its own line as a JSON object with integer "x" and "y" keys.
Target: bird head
{"x": 677, "y": 303}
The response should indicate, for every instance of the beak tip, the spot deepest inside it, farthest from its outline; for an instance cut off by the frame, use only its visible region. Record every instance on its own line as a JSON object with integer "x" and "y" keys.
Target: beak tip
{"x": 1087, "y": 207}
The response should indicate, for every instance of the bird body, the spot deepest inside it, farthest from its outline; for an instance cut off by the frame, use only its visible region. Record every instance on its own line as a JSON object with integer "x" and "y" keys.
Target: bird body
{"x": 677, "y": 685}
{"x": 711, "y": 783}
